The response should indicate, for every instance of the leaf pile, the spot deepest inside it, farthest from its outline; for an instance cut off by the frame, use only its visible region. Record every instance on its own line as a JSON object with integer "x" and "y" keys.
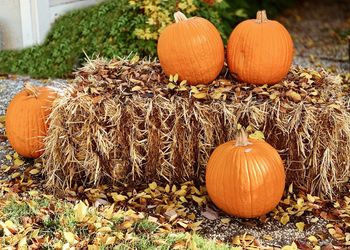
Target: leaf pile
{"x": 146, "y": 79}
{"x": 123, "y": 216}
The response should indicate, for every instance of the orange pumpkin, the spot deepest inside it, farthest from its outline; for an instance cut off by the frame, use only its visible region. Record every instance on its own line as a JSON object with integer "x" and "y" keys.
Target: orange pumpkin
{"x": 245, "y": 177}
{"x": 191, "y": 48}
{"x": 26, "y": 120}
{"x": 260, "y": 51}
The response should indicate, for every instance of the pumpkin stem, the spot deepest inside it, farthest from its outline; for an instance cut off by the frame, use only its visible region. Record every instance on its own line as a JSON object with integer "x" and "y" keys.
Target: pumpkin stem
{"x": 179, "y": 17}
{"x": 261, "y": 16}
{"x": 242, "y": 139}
{"x": 31, "y": 90}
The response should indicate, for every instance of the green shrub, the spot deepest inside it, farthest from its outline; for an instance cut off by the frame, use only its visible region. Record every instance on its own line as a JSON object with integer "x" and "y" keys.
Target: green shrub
{"x": 115, "y": 28}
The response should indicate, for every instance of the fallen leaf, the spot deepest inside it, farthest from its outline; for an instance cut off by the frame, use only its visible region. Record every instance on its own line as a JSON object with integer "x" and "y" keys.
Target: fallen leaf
{"x": 200, "y": 95}
{"x": 18, "y": 162}
{"x": 80, "y": 211}
{"x": 300, "y": 226}
{"x": 210, "y": 214}
{"x": 284, "y": 219}
{"x": 136, "y": 88}
{"x": 152, "y": 185}
{"x": 257, "y": 135}
{"x": 70, "y": 237}
{"x": 225, "y": 220}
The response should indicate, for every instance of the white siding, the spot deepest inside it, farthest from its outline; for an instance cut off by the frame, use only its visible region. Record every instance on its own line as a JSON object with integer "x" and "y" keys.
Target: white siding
{"x": 10, "y": 24}
{"x": 65, "y": 6}
{"x": 26, "y": 22}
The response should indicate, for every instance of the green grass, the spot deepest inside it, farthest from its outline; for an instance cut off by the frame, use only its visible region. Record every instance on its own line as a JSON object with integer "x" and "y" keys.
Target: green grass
{"x": 16, "y": 210}
{"x": 60, "y": 217}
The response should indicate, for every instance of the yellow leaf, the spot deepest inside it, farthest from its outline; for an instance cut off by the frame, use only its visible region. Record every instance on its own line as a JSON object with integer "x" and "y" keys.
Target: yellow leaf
{"x": 267, "y": 237}
{"x": 258, "y": 135}
{"x": 183, "y": 199}
{"x": 35, "y": 233}
{"x": 135, "y": 59}
{"x": 22, "y": 244}
{"x": 173, "y": 189}
{"x": 194, "y": 90}
{"x": 2, "y": 118}
{"x": 108, "y": 213}
{"x": 181, "y": 192}
{"x": 290, "y": 188}
{"x": 136, "y": 88}
{"x": 176, "y": 77}
{"x": 110, "y": 241}
{"x": 191, "y": 216}
{"x": 167, "y": 188}
{"x": 314, "y": 220}
{"x": 293, "y": 95}
{"x": 300, "y": 226}
{"x": 216, "y": 95}
{"x": 183, "y": 82}
{"x": 15, "y": 155}
{"x": 171, "y": 78}
{"x": 70, "y": 237}
{"x": 313, "y": 239}
{"x": 15, "y": 175}
{"x": 33, "y": 193}
{"x": 18, "y": 162}
{"x": 236, "y": 240}
{"x": 34, "y": 171}
{"x": 152, "y": 185}
{"x": 104, "y": 230}
{"x": 93, "y": 247}
{"x": 310, "y": 198}
{"x": 80, "y": 211}
{"x": 126, "y": 224}
{"x": 8, "y": 157}
{"x": 195, "y": 226}
{"x": 171, "y": 85}
{"x": 225, "y": 220}
{"x": 290, "y": 247}
{"x": 118, "y": 197}
{"x": 284, "y": 219}
{"x": 200, "y": 95}
{"x": 197, "y": 199}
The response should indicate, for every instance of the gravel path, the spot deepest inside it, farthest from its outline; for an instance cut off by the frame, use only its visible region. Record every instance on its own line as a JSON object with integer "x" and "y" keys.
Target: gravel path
{"x": 318, "y": 29}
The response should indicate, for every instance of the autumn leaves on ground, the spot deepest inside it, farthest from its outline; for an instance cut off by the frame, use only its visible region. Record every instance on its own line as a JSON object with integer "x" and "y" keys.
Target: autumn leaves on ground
{"x": 157, "y": 217}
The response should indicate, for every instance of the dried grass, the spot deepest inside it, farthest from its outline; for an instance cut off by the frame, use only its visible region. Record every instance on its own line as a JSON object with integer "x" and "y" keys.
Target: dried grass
{"x": 104, "y": 132}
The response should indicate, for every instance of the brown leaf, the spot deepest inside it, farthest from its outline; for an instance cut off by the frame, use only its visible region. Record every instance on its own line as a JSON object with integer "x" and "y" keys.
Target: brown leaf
{"x": 210, "y": 214}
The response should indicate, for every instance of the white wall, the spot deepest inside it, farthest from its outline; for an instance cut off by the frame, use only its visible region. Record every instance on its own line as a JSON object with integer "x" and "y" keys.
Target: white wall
{"x": 59, "y": 7}
{"x": 10, "y": 24}
{"x": 26, "y": 22}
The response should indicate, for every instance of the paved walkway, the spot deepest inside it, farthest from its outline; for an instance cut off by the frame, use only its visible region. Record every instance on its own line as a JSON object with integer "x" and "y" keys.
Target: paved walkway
{"x": 319, "y": 30}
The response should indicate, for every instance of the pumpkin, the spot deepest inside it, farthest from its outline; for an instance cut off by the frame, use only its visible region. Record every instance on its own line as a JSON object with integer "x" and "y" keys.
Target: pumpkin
{"x": 260, "y": 51}
{"x": 245, "y": 177}
{"x": 26, "y": 120}
{"x": 191, "y": 48}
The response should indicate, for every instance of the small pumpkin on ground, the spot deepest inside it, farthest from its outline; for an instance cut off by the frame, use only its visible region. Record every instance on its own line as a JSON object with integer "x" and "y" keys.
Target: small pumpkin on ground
{"x": 191, "y": 48}
{"x": 260, "y": 51}
{"x": 245, "y": 177}
{"x": 26, "y": 119}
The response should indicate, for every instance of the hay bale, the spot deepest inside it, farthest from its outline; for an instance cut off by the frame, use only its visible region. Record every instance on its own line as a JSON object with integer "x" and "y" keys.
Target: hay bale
{"x": 126, "y": 122}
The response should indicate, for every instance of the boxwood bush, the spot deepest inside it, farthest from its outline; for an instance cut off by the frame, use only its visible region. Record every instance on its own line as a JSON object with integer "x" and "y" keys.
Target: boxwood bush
{"x": 118, "y": 28}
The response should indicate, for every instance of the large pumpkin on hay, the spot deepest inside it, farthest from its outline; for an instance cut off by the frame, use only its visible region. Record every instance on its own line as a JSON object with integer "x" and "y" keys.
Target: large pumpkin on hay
{"x": 26, "y": 120}
{"x": 191, "y": 48}
{"x": 260, "y": 51}
{"x": 245, "y": 177}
